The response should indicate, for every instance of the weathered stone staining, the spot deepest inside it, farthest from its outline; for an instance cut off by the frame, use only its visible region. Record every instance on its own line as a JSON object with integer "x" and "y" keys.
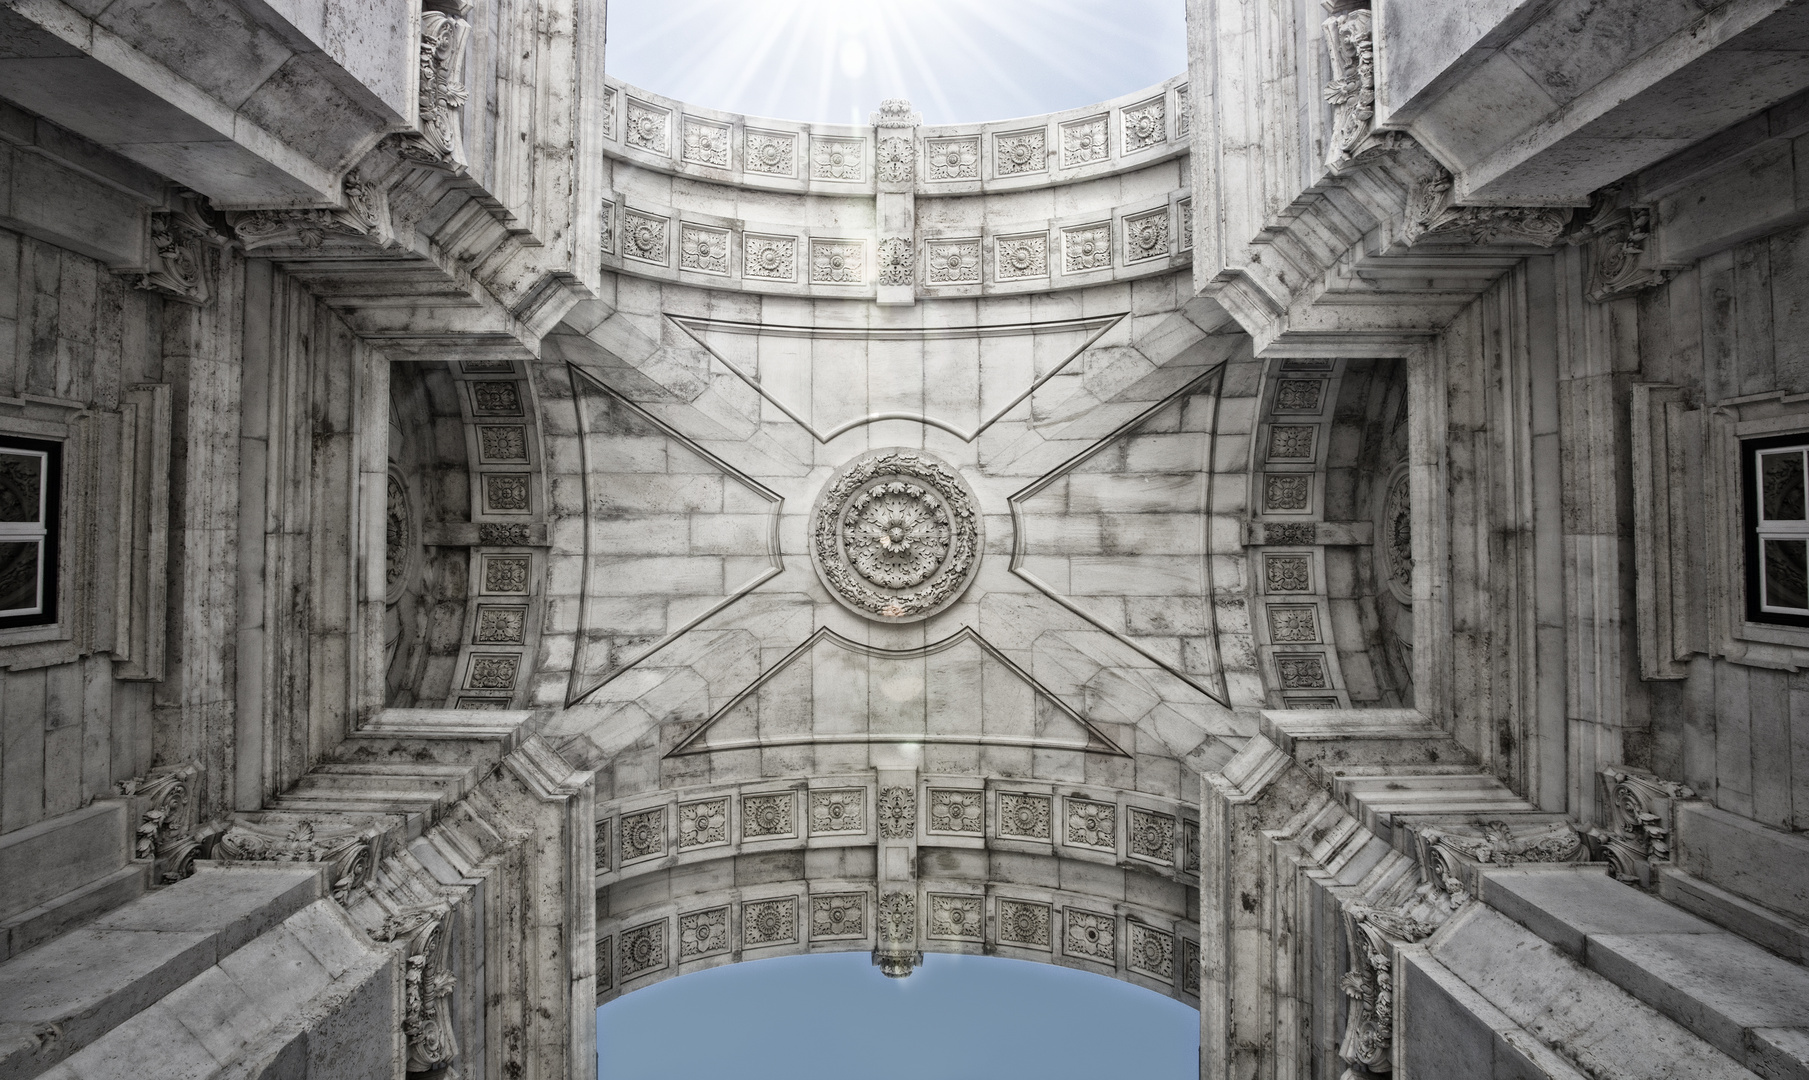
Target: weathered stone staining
{"x": 1365, "y": 610}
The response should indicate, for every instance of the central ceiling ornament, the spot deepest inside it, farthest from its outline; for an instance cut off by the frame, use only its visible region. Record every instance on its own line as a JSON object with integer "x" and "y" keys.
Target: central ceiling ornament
{"x": 895, "y": 535}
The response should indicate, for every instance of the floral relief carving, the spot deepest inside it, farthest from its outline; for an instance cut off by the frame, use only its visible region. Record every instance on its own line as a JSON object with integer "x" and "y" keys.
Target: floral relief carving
{"x": 607, "y": 225}
{"x": 897, "y": 261}
{"x": 491, "y": 398}
{"x": 1291, "y": 442}
{"x": 646, "y": 127}
{"x": 609, "y": 112}
{"x": 1396, "y": 541}
{"x": 500, "y": 625}
{"x": 600, "y": 850}
{"x": 768, "y": 815}
{"x": 1024, "y": 922}
{"x": 426, "y": 987}
{"x": 1190, "y": 966}
{"x": 504, "y": 534}
{"x": 897, "y": 159}
{"x": 643, "y": 949}
{"x": 1092, "y": 824}
{"x": 1299, "y": 395}
{"x": 1183, "y": 112}
{"x": 771, "y": 152}
{"x": 1287, "y": 491}
{"x": 770, "y": 257}
{"x": 1020, "y": 152}
{"x": 1186, "y": 208}
{"x": 895, "y": 535}
{"x": 1087, "y": 247}
{"x": 644, "y": 237}
{"x": 1084, "y": 141}
{"x": 1090, "y": 934}
{"x": 606, "y": 951}
{"x": 836, "y": 159}
{"x": 1144, "y": 125}
{"x": 1301, "y": 672}
{"x": 506, "y": 492}
{"x": 1293, "y": 623}
{"x": 1295, "y": 535}
{"x": 1190, "y": 846}
{"x": 1022, "y": 257}
{"x": 1146, "y": 236}
{"x": 838, "y": 811}
{"x": 835, "y": 262}
{"x": 505, "y": 574}
{"x": 1432, "y": 214}
{"x": 955, "y": 811}
{"x": 166, "y": 810}
{"x": 701, "y": 933}
{"x": 703, "y": 822}
{"x": 185, "y": 253}
{"x": 1288, "y": 573}
{"x": 398, "y": 538}
{"x": 440, "y": 88}
{"x": 502, "y": 443}
{"x": 1350, "y": 47}
{"x": 706, "y": 143}
{"x": 838, "y": 915}
{"x": 769, "y": 922}
{"x": 898, "y": 917}
{"x": 351, "y": 851}
{"x": 1024, "y": 815}
{"x": 703, "y": 249}
{"x": 952, "y": 262}
{"x": 897, "y": 813}
{"x": 954, "y": 159}
{"x": 643, "y": 834}
{"x": 954, "y": 917}
{"x": 1152, "y": 952}
{"x": 492, "y": 673}
{"x": 1152, "y": 835}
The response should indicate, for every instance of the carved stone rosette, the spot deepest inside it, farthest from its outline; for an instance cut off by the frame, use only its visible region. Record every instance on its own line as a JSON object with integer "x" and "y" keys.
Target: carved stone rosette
{"x": 351, "y": 850}
{"x": 427, "y": 987}
{"x": 895, "y": 535}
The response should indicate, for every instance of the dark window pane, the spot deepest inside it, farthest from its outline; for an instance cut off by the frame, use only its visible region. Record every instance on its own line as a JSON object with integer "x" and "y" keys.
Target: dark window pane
{"x": 18, "y": 577}
{"x": 21, "y": 475}
{"x": 1787, "y": 573}
{"x": 1781, "y": 478}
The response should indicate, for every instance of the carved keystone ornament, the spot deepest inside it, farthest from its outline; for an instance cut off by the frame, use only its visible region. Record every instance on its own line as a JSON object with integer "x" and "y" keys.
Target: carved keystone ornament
{"x": 895, "y": 535}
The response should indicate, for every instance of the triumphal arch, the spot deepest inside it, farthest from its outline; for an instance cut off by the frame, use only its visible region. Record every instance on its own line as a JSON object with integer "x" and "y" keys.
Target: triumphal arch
{"x": 1322, "y": 537}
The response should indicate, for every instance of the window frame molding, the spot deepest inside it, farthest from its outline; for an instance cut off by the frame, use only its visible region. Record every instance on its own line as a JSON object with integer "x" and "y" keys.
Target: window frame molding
{"x": 49, "y": 533}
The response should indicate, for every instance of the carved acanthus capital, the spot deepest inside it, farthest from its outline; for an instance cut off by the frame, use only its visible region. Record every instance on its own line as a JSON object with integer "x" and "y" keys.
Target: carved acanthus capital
{"x": 444, "y": 34}
{"x": 1452, "y": 856}
{"x": 164, "y": 801}
{"x": 351, "y": 850}
{"x": 427, "y": 986}
{"x": 1617, "y": 233}
{"x": 184, "y": 253}
{"x": 364, "y": 216}
{"x": 1432, "y": 214}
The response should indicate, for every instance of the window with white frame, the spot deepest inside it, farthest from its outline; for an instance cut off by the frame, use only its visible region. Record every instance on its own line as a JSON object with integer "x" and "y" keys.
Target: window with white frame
{"x": 30, "y": 480}
{"x": 1776, "y": 496}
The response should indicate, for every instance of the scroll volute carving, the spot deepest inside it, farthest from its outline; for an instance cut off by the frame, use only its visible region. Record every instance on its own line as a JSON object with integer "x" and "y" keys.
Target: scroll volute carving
{"x": 445, "y": 32}
{"x": 427, "y": 987}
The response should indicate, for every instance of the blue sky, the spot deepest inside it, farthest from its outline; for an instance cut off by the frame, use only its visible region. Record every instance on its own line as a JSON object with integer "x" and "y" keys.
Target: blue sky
{"x": 835, "y": 1017}
{"x": 957, "y": 61}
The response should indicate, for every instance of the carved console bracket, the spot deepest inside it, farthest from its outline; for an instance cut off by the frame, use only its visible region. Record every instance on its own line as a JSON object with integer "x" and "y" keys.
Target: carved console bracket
{"x": 427, "y": 986}
{"x": 440, "y": 142}
{"x": 186, "y": 242}
{"x": 1641, "y": 806}
{"x": 351, "y": 848}
{"x": 1616, "y": 234}
{"x": 364, "y": 217}
{"x": 167, "y": 833}
{"x": 1433, "y": 216}
{"x": 1350, "y": 45}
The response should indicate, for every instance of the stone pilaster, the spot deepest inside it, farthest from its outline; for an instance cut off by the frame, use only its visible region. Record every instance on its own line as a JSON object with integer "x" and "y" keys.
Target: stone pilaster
{"x": 896, "y": 951}
{"x": 895, "y": 136}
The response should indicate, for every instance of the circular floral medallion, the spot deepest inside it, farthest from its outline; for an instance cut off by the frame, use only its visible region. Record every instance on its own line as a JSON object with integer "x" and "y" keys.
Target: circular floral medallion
{"x": 896, "y": 535}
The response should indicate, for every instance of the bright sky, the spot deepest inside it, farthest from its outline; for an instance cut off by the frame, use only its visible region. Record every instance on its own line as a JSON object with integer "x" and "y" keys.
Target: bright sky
{"x": 835, "y": 1017}
{"x": 958, "y": 61}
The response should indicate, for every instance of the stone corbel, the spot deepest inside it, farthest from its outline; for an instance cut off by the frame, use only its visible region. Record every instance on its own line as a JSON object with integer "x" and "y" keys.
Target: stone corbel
{"x": 1616, "y": 234}
{"x": 1350, "y": 45}
{"x": 1432, "y": 215}
{"x": 440, "y": 141}
{"x": 1642, "y": 806}
{"x": 351, "y": 850}
{"x": 1409, "y": 914}
{"x": 427, "y": 987}
{"x": 163, "y": 803}
{"x": 1452, "y": 856}
{"x": 364, "y": 216}
{"x": 185, "y": 249}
